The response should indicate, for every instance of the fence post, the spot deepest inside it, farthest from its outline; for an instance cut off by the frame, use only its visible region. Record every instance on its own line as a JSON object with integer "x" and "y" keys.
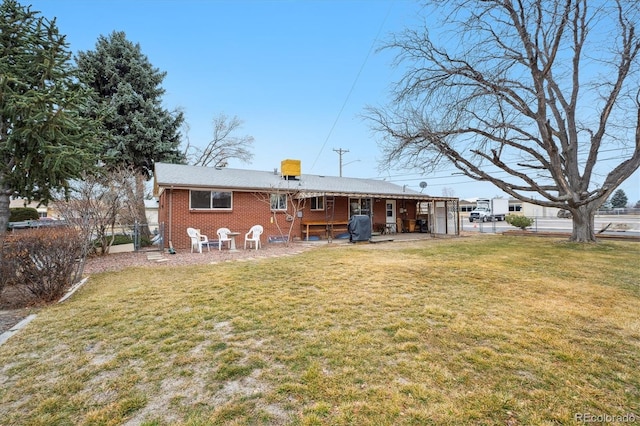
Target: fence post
{"x": 136, "y": 235}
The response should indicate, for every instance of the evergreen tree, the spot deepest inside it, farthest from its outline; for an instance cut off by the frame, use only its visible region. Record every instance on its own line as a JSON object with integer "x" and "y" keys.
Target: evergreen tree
{"x": 619, "y": 199}
{"x": 127, "y": 92}
{"x": 44, "y": 140}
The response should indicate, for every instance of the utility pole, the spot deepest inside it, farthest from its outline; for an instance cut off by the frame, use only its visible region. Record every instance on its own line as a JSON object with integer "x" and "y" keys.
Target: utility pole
{"x": 341, "y": 151}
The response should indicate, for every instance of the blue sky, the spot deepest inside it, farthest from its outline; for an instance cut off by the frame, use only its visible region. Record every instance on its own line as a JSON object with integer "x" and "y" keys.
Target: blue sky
{"x": 297, "y": 73}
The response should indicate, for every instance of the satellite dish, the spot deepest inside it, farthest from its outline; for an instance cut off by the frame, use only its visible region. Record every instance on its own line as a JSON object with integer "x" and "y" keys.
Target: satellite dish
{"x": 423, "y": 185}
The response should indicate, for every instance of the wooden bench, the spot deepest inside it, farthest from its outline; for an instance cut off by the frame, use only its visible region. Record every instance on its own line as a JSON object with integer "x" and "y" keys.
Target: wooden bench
{"x": 321, "y": 228}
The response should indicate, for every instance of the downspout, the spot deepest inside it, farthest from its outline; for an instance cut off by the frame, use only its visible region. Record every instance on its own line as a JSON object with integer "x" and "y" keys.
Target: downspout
{"x": 170, "y": 213}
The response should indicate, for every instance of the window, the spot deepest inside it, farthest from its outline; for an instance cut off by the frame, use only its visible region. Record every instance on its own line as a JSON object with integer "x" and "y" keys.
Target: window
{"x": 278, "y": 201}
{"x": 317, "y": 203}
{"x": 210, "y": 200}
{"x": 359, "y": 206}
{"x": 391, "y": 210}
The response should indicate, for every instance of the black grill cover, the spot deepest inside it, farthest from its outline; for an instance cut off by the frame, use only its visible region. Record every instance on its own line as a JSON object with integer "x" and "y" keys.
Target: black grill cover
{"x": 359, "y": 228}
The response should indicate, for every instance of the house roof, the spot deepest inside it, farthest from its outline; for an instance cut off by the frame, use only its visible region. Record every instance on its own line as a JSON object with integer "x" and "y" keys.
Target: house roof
{"x": 21, "y": 202}
{"x": 190, "y": 177}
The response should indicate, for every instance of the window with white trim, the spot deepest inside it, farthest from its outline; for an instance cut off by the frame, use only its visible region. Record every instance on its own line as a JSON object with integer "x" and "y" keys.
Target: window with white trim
{"x": 278, "y": 201}
{"x": 317, "y": 203}
{"x": 210, "y": 200}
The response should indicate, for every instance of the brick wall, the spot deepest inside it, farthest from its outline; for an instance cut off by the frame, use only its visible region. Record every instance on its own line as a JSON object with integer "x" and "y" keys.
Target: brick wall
{"x": 250, "y": 209}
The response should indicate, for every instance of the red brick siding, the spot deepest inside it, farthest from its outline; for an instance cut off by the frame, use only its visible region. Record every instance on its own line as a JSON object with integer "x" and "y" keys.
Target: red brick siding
{"x": 379, "y": 211}
{"x": 249, "y": 209}
{"x": 340, "y": 211}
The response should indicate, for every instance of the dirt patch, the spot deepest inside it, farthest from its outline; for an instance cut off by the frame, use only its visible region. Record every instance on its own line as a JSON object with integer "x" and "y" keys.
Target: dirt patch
{"x": 9, "y": 318}
{"x": 13, "y": 308}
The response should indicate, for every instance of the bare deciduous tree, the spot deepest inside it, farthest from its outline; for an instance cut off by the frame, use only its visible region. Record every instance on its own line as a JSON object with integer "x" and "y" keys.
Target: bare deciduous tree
{"x": 97, "y": 205}
{"x": 284, "y": 204}
{"x": 132, "y": 188}
{"x": 532, "y": 96}
{"x": 224, "y": 145}
{"x": 448, "y": 192}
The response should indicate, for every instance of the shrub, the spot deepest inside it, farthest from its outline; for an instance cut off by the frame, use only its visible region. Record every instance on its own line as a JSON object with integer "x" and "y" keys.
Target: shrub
{"x": 121, "y": 239}
{"x": 521, "y": 222}
{"x": 40, "y": 262}
{"x": 19, "y": 214}
{"x": 118, "y": 239}
{"x": 145, "y": 241}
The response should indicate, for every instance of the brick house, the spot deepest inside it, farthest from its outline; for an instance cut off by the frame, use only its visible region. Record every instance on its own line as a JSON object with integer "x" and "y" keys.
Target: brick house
{"x": 289, "y": 204}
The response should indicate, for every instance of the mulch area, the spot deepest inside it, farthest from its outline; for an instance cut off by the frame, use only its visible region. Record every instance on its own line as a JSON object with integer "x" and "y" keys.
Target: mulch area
{"x": 12, "y": 304}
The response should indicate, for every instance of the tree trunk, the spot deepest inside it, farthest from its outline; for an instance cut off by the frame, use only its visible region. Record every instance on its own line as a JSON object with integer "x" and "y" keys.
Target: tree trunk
{"x": 584, "y": 223}
{"x": 140, "y": 211}
{"x": 5, "y": 213}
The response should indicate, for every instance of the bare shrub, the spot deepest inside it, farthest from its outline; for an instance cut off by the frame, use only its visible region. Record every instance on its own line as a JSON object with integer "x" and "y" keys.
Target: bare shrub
{"x": 40, "y": 263}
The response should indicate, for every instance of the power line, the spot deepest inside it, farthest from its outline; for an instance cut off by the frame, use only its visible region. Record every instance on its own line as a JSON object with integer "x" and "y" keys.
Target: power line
{"x": 353, "y": 85}
{"x": 421, "y": 176}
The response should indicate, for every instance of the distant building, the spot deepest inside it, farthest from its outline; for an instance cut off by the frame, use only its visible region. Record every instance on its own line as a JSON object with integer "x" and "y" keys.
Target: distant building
{"x": 151, "y": 211}
{"x": 515, "y": 207}
{"x": 43, "y": 211}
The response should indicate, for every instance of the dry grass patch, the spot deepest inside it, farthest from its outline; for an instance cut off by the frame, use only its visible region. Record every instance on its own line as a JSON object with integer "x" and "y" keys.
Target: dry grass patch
{"x": 486, "y": 330}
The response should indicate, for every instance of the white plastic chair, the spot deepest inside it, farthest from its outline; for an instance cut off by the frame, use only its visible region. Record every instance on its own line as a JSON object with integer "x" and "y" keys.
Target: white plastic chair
{"x": 197, "y": 240}
{"x": 223, "y": 237}
{"x": 253, "y": 236}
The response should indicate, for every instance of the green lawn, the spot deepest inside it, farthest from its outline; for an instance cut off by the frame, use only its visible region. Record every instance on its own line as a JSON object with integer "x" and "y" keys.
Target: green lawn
{"x": 481, "y": 330}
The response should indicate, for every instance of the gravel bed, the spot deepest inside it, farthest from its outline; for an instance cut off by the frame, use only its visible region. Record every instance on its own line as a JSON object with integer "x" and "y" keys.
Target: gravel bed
{"x": 115, "y": 262}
